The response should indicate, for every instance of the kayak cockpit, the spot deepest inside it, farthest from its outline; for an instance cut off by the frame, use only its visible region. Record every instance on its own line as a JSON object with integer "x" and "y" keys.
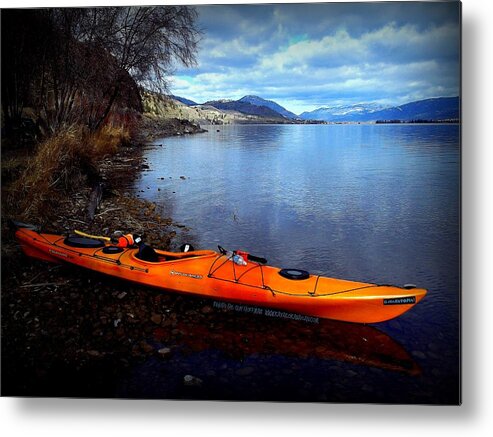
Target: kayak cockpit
{"x": 162, "y": 256}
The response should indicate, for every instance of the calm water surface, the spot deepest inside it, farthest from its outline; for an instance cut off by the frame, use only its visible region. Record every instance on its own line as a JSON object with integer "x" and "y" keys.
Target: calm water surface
{"x": 373, "y": 203}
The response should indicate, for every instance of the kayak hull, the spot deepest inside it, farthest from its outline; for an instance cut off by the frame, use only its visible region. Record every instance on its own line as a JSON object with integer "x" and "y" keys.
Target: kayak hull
{"x": 210, "y": 274}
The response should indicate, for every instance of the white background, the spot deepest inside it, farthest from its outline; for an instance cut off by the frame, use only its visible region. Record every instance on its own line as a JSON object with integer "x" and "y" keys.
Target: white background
{"x": 80, "y": 417}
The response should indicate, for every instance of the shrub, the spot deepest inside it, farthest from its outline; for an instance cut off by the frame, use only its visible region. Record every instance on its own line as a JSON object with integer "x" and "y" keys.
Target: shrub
{"x": 62, "y": 164}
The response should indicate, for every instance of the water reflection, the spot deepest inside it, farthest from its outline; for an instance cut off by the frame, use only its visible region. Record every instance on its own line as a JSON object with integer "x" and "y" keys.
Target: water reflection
{"x": 239, "y": 337}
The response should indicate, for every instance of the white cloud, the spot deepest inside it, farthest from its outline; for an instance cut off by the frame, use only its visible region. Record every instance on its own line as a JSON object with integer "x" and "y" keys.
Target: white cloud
{"x": 233, "y": 48}
{"x": 389, "y": 63}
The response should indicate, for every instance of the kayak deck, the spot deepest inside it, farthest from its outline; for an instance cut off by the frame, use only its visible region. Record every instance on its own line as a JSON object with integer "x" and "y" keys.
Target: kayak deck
{"x": 210, "y": 274}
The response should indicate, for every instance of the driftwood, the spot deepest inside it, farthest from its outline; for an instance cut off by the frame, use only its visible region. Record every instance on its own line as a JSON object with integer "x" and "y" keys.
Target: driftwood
{"x": 108, "y": 210}
{"x": 94, "y": 200}
{"x": 78, "y": 221}
{"x": 43, "y": 284}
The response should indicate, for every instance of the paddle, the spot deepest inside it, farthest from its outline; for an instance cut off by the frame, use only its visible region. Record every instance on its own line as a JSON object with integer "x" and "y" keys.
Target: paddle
{"x": 249, "y": 257}
{"x": 96, "y": 237}
{"x": 257, "y": 259}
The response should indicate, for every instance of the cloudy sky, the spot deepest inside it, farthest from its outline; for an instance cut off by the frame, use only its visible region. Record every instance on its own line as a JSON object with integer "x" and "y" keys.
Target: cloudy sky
{"x": 305, "y": 56}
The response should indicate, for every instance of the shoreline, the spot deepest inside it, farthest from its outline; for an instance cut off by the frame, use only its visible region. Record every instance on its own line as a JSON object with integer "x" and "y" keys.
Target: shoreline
{"x": 82, "y": 323}
{"x": 69, "y": 332}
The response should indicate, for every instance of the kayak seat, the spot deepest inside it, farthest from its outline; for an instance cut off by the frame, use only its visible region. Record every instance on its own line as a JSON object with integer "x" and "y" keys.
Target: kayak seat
{"x": 147, "y": 253}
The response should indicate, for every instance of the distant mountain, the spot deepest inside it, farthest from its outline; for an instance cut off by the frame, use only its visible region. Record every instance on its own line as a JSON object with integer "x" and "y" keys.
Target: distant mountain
{"x": 164, "y": 107}
{"x": 259, "y": 101}
{"x": 183, "y": 100}
{"x": 342, "y": 112}
{"x": 244, "y": 108}
{"x": 254, "y": 109}
{"x": 440, "y": 108}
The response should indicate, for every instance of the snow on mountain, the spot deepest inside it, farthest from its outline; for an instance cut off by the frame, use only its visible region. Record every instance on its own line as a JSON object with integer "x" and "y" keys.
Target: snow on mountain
{"x": 440, "y": 108}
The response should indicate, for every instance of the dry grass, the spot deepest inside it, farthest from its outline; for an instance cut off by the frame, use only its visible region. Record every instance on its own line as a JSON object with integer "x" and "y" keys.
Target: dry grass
{"x": 62, "y": 164}
{"x": 107, "y": 140}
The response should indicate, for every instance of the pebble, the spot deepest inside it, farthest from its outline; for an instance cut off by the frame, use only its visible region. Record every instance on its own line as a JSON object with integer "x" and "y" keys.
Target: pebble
{"x": 418, "y": 354}
{"x": 192, "y": 381}
{"x": 145, "y": 347}
{"x": 156, "y": 318}
{"x": 432, "y": 346}
{"x": 122, "y": 295}
{"x": 48, "y": 305}
{"x": 164, "y": 352}
{"x": 436, "y": 372}
{"x": 245, "y": 371}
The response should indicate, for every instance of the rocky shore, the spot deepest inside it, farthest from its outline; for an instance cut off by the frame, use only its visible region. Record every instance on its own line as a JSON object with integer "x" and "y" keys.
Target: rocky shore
{"x": 60, "y": 322}
{"x": 155, "y": 127}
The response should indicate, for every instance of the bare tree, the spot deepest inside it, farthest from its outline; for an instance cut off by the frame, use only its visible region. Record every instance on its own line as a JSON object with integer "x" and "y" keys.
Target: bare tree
{"x": 145, "y": 42}
{"x": 23, "y": 41}
{"x": 84, "y": 62}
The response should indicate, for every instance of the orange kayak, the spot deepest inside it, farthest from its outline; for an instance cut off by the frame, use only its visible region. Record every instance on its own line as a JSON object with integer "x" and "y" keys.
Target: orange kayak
{"x": 214, "y": 275}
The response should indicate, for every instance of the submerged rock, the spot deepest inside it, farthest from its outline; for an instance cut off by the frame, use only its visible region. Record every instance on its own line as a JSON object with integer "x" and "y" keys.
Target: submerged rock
{"x": 245, "y": 371}
{"x": 164, "y": 352}
{"x": 192, "y": 381}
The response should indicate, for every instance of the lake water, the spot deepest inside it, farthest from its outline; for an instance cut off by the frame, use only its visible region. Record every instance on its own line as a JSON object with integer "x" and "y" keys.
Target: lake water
{"x": 373, "y": 203}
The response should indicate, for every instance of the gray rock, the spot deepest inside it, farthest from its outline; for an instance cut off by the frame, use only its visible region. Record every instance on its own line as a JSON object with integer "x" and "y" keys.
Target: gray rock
{"x": 245, "y": 371}
{"x": 164, "y": 352}
{"x": 418, "y": 354}
{"x": 192, "y": 381}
